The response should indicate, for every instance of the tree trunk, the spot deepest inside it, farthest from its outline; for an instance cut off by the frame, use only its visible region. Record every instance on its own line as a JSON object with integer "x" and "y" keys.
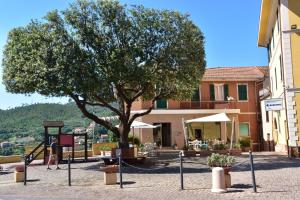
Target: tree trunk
{"x": 124, "y": 130}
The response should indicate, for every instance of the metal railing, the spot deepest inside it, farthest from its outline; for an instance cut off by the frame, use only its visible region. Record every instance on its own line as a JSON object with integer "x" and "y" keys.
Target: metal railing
{"x": 207, "y": 105}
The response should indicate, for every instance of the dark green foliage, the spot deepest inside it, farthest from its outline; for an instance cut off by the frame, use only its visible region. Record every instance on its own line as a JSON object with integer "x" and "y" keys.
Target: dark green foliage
{"x": 245, "y": 142}
{"x": 135, "y": 140}
{"x": 219, "y": 146}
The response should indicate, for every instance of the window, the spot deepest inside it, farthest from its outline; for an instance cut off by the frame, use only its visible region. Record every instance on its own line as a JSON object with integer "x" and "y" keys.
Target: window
{"x": 219, "y": 92}
{"x": 243, "y": 92}
{"x": 273, "y": 44}
{"x": 267, "y": 116}
{"x": 275, "y": 123}
{"x": 269, "y": 52}
{"x": 244, "y": 129}
{"x": 277, "y": 14}
{"x": 275, "y": 78}
{"x": 196, "y": 95}
{"x": 281, "y": 69}
{"x": 161, "y": 103}
{"x": 212, "y": 92}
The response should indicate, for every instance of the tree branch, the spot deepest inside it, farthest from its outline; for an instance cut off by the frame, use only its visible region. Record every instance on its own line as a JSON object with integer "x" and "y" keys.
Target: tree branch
{"x": 107, "y": 105}
{"x": 81, "y": 104}
{"x": 146, "y": 112}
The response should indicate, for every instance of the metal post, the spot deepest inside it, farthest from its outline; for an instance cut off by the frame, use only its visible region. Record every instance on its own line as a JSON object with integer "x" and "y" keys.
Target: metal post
{"x": 181, "y": 171}
{"x": 25, "y": 170}
{"x": 252, "y": 171}
{"x": 120, "y": 169}
{"x": 69, "y": 170}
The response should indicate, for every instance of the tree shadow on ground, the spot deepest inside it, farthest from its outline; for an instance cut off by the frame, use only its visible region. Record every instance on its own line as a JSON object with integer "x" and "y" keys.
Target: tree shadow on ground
{"x": 269, "y": 163}
{"x": 32, "y": 180}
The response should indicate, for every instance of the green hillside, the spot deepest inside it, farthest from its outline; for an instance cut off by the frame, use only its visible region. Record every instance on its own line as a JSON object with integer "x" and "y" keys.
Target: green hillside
{"x": 28, "y": 120}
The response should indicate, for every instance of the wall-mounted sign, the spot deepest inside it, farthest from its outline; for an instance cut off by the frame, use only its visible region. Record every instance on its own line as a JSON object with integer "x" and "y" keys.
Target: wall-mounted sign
{"x": 273, "y": 104}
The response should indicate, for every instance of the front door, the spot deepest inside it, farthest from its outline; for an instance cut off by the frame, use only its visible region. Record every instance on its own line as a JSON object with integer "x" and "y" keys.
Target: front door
{"x": 162, "y": 134}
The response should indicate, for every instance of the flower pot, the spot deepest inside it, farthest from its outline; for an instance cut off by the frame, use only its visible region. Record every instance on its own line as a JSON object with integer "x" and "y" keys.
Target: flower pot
{"x": 19, "y": 168}
{"x": 110, "y": 169}
{"x": 110, "y": 178}
{"x": 227, "y": 170}
{"x": 235, "y": 152}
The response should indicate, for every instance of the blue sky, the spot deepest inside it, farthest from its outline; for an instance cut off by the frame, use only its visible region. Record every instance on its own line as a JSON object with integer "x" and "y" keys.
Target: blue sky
{"x": 230, "y": 28}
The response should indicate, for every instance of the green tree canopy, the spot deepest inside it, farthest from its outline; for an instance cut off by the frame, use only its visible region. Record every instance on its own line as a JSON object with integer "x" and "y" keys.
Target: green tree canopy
{"x": 99, "y": 52}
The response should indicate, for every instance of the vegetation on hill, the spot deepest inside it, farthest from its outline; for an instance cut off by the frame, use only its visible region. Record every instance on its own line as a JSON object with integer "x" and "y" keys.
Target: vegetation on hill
{"x": 28, "y": 120}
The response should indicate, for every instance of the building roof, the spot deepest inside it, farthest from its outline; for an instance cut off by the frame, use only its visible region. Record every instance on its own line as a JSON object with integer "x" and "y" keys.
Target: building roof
{"x": 267, "y": 10}
{"x": 236, "y": 73}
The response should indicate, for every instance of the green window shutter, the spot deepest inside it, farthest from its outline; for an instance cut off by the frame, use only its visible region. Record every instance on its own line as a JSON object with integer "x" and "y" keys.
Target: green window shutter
{"x": 226, "y": 92}
{"x": 161, "y": 103}
{"x": 212, "y": 92}
{"x": 244, "y": 129}
{"x": 242, "y": 92}
{"x": 196, "y": 96}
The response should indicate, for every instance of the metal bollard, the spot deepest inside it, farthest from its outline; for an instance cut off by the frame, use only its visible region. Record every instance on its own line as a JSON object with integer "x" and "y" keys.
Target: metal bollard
{"x": 181, "y": 170}
{"x": 252, "y": 171}
{"x": 120, "y": 169}
{"x": 69, "y": 170}
{"x": 25, "y": 170}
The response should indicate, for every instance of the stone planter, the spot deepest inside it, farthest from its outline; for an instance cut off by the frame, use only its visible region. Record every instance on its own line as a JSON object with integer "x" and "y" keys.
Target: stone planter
{"x": 188, "y": 153}
{"x": 227, "y": 176}
{"x": 245, "y": 149}
{"x": 235, "y": 152}
{"x": 19, "y": 173}
{"x": 110, "y": 174}
{"x": 110, "y": 178}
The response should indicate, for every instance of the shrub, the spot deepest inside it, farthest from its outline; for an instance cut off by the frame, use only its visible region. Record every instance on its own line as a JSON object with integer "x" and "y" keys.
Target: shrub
{"x": 135, "y": 140}
{"x": 217, "y": 160}
{"x": 245, "y": 142}
{"x": 237, "y": 146}
{"x": 105, "y": 148}
{"x": 219, "y": 146}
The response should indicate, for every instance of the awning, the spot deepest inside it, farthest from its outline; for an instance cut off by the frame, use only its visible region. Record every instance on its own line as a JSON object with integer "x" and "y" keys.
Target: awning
{"x": 138, "y": 124}
{"x": 221, "y": 117}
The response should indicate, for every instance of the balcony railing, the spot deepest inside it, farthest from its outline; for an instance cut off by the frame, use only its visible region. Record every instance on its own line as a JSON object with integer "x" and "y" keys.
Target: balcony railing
{"x": 207, "y": 105}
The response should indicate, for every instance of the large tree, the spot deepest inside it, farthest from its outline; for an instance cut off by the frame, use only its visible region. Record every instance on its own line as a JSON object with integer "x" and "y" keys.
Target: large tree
{"x": 99, "y": 52}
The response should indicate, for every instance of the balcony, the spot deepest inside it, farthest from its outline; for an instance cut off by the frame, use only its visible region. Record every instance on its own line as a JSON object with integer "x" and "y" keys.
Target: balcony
{"x": 207, "y": 105}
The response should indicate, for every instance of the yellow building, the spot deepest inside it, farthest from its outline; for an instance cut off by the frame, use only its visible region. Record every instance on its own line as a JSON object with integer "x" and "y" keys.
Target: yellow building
{"x": 279, "y": 32}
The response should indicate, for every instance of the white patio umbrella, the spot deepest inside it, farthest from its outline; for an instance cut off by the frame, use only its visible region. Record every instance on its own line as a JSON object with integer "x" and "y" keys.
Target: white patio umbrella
{"x": 138, "y": 124}
{"x": 220, "y": 117}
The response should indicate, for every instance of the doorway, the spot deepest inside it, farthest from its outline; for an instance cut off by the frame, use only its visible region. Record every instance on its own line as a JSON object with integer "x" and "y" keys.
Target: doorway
{"x": 162, "y": 134}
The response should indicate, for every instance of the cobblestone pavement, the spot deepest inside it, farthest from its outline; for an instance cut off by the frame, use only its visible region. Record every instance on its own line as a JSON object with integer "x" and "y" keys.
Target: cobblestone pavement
{"x": 277, "y": 177}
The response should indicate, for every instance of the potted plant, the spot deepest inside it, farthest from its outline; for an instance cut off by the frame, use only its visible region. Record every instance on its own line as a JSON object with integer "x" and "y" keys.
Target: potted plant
{"x": 219, "y": 148}
{"x": 224, "y": 161}
{"x": 105, "y": 150}
{"x": 218, "y": 160}
{"x": 236, "y": 150}
{"x": 245, "y": 144}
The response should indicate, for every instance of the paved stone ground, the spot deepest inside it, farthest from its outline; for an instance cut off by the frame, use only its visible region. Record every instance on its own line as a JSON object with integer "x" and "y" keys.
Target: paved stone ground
{"x": 277, "y": 178}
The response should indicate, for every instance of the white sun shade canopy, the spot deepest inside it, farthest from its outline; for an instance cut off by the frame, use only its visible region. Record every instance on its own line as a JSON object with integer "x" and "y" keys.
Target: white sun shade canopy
{"x": 221, "y": 117}
{"x": 138, "y": 124}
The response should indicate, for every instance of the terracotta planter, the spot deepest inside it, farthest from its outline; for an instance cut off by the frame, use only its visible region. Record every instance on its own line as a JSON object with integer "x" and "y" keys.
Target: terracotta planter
{"x": 189, "y": 153}
{"x": 227, "y": 170}
{"x": 235, "y": 152}
{"x": 19, "y": 168}
{"x": 110, "y": 169}
{"x": 245, "y": 149}
{"x": 204, "y": 153}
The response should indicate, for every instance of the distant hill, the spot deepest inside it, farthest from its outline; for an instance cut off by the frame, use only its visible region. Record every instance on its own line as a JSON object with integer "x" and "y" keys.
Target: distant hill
{"x": 28, "y": 120}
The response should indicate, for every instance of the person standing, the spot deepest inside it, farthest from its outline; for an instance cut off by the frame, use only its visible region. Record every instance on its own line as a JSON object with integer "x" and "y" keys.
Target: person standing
{"x": 53, "y": 154}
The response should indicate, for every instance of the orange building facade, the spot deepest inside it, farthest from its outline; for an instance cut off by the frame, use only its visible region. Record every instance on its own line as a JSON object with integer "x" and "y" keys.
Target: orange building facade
{"x": 230, "y": 90}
